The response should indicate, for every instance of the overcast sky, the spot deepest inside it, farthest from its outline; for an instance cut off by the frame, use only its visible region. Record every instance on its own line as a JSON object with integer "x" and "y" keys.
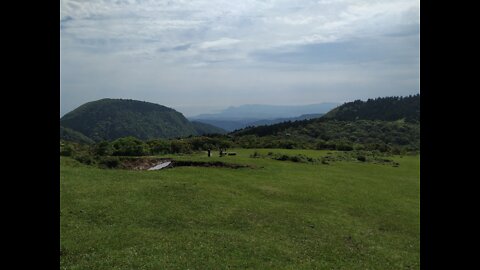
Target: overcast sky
{"x": 200, "y": 56}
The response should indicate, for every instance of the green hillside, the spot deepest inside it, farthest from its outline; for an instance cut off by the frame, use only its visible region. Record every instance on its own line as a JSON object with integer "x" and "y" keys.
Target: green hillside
{"x": 68, "y": 134}
{"x": 109, "y": 119}
{"x": 381, "y": 124}
{"x": 386, "y": 109}
{"x": 329, "y": 134}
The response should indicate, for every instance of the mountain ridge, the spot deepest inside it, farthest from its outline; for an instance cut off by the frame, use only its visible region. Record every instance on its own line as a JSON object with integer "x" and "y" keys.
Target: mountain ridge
{"x": 231, "y": 125}
{"x": 255, "y": 112}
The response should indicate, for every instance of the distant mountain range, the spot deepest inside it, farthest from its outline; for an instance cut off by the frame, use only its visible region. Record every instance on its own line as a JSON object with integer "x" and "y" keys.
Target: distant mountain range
{"x": 231, "y": 125}
{"x": 280, "y": 120}
{"x": 234, "y": 118}
{"x": 263, "y": 112}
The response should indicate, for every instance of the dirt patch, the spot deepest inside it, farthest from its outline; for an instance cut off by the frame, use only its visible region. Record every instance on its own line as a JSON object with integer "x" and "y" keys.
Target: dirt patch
{"x": 140, "y": 163}
{"x": 147, "y": 163}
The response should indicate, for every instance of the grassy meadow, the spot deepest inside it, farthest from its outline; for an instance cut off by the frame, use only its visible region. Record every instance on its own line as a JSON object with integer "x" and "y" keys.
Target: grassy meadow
{"x": 277, "y": 215}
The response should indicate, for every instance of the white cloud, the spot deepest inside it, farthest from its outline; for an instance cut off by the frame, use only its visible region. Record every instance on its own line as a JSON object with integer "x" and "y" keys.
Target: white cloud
{"x": 263, "y": 23}
{"x": 218, "y": 44}
{"x": 115, "y": 38}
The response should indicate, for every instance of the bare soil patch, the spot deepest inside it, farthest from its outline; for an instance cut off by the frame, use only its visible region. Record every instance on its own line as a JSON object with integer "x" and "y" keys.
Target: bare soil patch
{"x": 147, "y": 163}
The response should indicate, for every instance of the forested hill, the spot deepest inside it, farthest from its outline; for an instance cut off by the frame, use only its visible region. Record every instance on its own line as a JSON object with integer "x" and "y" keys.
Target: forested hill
{"x": 386, "y": 108}
{"x": 382, "y": 121}
{"x": 109, "y": 119}
{"x": 74, "y": 136}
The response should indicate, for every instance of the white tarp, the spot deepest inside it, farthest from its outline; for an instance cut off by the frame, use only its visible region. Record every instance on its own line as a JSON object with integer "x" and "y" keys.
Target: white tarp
{"x": 160, "y": 166}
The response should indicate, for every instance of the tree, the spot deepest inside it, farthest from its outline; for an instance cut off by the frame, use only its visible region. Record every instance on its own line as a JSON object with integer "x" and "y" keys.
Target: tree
{"x": 159, "y": 146}
{"x": 102, "y": 148}
{"x": 129, "y": 146}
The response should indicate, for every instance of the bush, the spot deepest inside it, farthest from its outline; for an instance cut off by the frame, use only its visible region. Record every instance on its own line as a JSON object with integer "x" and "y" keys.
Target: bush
{"x": 66, "y": 150}
{"x": 129, "y": 146}
{"x": 179, "y": 146}
{"x": 282, "y": 157}
{"x": 396, "y": 150}
{"x": 159, "y": 147}
{"x": 255, "y": 155}
{"x": 109, "y": 162}
{"x": 323, "y": 145}
{"x": 362, "y": 158}
{"x": 102, "y": 149}
{"x": 343, "y": 145}
{"x": 85, "y": 159}
{"x": 296, "y": 159}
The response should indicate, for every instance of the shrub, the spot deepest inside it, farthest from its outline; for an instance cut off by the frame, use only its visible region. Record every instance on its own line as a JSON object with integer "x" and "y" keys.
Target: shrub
{"x": 179, "y": 146}
{"x": 129, "y": 146}
{"x": 282, "y": 157}
{"x": 396, "y": 150}
{"x": 159, "y": 147}
{"x": 343, "y": 145}
{"x": 109, "y": 162}
{"x": 322, "y": 145}
{"x": 296, "y": 159}
{"x": 102, "y": 149}
{"x": 85, "y": 159}
{"x": 255, "y": 155}
{"x": 66, "y": 150}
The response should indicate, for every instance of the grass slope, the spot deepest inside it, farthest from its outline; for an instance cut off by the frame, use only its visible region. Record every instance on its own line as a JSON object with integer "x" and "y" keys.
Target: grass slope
{"x": 282, "y": 215}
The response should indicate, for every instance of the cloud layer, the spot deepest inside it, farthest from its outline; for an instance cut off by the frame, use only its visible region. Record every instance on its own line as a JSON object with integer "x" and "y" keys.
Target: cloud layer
{"x": 198, "y": 56}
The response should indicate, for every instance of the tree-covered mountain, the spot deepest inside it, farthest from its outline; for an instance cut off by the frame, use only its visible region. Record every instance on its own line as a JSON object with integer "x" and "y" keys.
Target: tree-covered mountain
{"x": 203, "y": 128}
{"x": 71, "y": 135}
{"x": 109, "y": 119}
{"x": 386, "y": 108}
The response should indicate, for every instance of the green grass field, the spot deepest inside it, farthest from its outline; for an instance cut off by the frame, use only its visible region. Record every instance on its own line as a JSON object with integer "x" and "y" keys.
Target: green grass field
{"x": 279, "y": 215}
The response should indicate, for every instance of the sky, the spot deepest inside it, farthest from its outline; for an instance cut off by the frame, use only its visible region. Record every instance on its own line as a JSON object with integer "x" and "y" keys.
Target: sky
{"x": 202, "y": 56}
